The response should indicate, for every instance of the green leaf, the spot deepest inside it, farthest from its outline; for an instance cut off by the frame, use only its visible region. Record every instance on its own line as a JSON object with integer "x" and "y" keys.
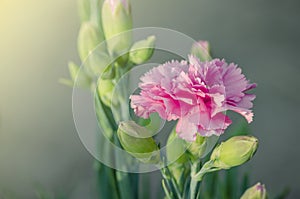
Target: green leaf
{"x": 245, "y": 183}
{"x": 127, "y": 182}
{"x": 231, "y": 181}
{"x": 107, "y": 183}
{"x": 186, "y": 189}
{"x": 83, "y": 80}
{"x": 66, "y": 82}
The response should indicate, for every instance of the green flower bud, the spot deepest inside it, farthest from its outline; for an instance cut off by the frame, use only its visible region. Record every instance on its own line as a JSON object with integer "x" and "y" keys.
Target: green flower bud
{"x": 116, "y": 18}
{"x": 141, "y": 51}
{"x": 105, "y": 90}
{"x": 136, "y": 141}
{"x": 233, "y": 152}
{"x": 84, "y": 10}
{"x": 257, "y": 191}
{"x": 97, "y": 62}
{"x": 201, "y": 49}
{"x": 89, "y": 37}
{"x": 198, "y": 147}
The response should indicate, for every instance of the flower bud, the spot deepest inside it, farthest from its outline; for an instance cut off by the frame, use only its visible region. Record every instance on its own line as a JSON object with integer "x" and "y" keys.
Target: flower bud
{"x": 89, "y": 37}
{"x": 105, "y": 90}
{"x": 116, "y": 18}
{"x": 142, "y": 50}
{"x": 257, "y": 191}
{"x": 84, "y": 10}
{"x": 233, "y": 152}
{"x": 136, "y": 141}
{"x": 201, "y": 49}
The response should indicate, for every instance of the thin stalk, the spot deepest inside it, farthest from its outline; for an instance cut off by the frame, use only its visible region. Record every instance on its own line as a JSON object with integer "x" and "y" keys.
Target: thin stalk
{"x": 194, "y": 188}
{"x": 175, "y": 185}
{"x": 195, "y": 183}
{"x": 168, "y": 195}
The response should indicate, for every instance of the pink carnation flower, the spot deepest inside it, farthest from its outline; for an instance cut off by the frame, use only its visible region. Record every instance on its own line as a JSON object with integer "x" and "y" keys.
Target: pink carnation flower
{"x": 197, "y": 94}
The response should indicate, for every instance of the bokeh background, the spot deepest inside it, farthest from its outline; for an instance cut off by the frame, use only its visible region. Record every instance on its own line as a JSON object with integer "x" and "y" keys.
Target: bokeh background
{"x": 39, "y": 146}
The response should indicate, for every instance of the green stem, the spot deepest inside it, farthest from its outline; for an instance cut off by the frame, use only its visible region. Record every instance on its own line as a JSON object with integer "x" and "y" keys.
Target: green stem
{"x": 194, "y": 188}
{"x": 195, "y": 182}
{"x": 95, "y": 10}
{"x": 171, "y": 184}
{"x": 168, "y": 195}
{"x": 207, "y": 168}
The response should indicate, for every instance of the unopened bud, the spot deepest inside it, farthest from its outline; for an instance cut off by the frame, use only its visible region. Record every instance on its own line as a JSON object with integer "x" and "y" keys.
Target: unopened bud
{"x": 89, "y": 37}
{"x": 116, "y": 19}
{"x": 233, "y": 152}
{"x": 257, "y": 191}
{"x": 105, "y": 90}
{"x": 137, "y": 141}
{"x": 84, "y": 9}
{"x": 142, "y": 50}
{"x": 201, "y": 49}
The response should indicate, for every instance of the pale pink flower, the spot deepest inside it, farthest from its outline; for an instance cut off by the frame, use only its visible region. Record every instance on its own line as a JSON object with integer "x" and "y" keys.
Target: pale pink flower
{"x": 197, "y": 94}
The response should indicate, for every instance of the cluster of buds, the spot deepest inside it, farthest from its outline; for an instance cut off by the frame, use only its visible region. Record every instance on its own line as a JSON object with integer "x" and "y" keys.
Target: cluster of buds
{"x": 105, "y": 43}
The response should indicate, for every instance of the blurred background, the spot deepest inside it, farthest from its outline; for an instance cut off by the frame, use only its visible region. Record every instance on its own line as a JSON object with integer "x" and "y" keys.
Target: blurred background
{"x": 39, "y": 146}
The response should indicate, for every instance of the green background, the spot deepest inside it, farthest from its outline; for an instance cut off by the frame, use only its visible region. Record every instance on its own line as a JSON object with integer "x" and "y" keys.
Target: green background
{"x": 39, "y": 146}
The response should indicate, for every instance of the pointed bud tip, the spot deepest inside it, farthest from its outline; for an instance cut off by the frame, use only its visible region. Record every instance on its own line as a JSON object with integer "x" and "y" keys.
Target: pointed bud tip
{"x": 258, "y": 191}
{"x": 115, "y": 3}
{"x": 142, "y": 51}
{"x": 201, "y": 49}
